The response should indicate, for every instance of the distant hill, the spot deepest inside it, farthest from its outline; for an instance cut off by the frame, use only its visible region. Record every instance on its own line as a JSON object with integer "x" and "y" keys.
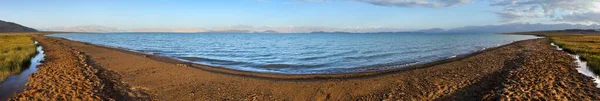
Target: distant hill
{"x": 13, "y": 27}
{"x": 103, "y": 29}
{"x": 509, "y": 28}
{"x": 270, "y": 31}
{"x": 180, "y": 30}
{"x": 433, "y": 30}
{"x": 571, "y": 31}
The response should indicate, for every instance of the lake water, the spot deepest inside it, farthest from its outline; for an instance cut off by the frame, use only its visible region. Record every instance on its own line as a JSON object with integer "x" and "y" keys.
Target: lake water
{"x": 314, "y": 53}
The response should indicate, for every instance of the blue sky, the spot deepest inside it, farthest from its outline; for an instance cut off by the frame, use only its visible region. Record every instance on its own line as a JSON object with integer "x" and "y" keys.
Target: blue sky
{"x": 131, "y": 14}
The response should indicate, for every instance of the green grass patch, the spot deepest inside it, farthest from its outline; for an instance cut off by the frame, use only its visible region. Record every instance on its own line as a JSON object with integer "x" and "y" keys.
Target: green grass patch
{"x": 586, "y": 46}
{"x": 16, "y": 52}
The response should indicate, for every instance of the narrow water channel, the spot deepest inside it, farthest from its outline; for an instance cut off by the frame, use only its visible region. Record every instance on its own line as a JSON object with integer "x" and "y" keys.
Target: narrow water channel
{"x": 583, "y": 68}
{"x": 16, "y": 83}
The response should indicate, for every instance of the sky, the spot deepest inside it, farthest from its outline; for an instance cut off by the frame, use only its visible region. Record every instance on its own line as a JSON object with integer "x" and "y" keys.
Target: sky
{"x": 294, "y": 15}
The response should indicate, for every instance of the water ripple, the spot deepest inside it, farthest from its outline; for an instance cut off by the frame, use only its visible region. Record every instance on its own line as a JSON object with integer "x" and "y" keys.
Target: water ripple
{"x": 301, "y": 53}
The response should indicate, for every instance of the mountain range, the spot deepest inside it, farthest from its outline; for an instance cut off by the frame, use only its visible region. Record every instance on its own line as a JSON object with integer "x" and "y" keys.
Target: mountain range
{"x": 518, "y": 27}
{"x": 502, "y": 28}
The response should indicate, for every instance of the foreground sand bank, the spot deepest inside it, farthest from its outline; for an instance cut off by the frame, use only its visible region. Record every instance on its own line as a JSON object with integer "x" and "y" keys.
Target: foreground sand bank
{"x": 66, "y": 74}
{"x": 528, "y": 69}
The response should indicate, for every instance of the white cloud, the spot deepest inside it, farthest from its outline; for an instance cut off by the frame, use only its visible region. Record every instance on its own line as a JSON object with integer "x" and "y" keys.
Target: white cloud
{"x": 597, "y": 7}
{"x": 516, "y": 10}
{"x": 570, "y": 11}
{"x": 584, "y": 18}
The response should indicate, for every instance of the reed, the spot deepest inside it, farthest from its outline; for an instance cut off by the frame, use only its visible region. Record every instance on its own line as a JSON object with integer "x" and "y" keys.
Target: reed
{"x": 16, "y": 52}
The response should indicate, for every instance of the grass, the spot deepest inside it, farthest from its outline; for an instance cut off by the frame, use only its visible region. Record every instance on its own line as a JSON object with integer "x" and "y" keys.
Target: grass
{"x": 16, "y": 52}
{"x": 586, "y": 46}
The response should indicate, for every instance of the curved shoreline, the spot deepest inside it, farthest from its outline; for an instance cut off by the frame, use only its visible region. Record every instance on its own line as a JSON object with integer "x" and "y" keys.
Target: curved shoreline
{"x": 392, "y": 60}
{"x": 520, "y": 70}
{"x": 277, "y": 76}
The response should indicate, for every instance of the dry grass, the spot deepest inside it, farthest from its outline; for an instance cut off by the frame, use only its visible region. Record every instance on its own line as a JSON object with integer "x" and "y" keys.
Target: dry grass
{"x": 584, "y": 44}
{"x": 15, "y": 52}
{"x": 587, "y": 46}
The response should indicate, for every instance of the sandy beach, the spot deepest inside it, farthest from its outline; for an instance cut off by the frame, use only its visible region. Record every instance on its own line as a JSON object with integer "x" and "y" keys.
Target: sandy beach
{"x": 529, "y": 69}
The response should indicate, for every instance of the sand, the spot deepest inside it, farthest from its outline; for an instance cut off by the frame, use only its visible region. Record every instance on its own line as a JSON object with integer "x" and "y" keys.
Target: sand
{"x": 529, "y": 69}
{"x": 66, "y": 74}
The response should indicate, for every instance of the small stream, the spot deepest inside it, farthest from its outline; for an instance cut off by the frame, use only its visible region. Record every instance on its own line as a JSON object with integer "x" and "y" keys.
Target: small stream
{"x": 16, "y": 83}
{"x": 583, "y": 68}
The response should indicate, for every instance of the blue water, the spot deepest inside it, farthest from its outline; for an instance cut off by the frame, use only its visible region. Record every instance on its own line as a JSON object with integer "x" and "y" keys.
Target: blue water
{"x": 315, "y": 53}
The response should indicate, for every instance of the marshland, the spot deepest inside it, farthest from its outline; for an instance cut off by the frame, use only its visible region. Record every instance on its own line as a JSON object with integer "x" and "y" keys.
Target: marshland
{"x": 16, "y": 53}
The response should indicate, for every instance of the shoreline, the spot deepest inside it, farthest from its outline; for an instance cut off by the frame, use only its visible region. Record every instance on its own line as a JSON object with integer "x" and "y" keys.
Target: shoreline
{"x": 495, "y": 73}
{"x": 583, "y": 68}
{"x": 67, "y": 74}
{"x": 267, "y": 75}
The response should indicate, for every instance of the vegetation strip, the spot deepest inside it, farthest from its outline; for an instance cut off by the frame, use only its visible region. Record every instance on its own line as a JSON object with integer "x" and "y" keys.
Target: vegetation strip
{"x": 586, "y": 46}
{"x": 68, "y": 74}
{"x": 15, "y": 83}
{"x": 585, "y": 43}
{"x": 15, "y": 52}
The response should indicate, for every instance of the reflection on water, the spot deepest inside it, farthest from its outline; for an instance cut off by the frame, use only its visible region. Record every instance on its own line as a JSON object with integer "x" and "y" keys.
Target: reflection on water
{"x": 315, "y": 53}
{"x": 585, "y": 70}
{"x": 16, "y": 83}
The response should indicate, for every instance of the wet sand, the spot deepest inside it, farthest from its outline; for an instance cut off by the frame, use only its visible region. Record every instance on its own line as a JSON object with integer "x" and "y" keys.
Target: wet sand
{"x": 529, "y": 69}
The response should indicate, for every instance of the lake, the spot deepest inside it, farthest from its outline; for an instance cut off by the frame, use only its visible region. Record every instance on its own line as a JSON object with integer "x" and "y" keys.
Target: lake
{"x": 301, "y": 53}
